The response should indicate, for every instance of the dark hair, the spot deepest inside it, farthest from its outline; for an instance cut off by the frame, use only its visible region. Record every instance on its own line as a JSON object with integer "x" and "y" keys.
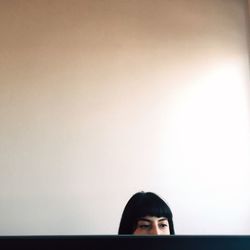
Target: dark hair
{"x": 140, "y": 205}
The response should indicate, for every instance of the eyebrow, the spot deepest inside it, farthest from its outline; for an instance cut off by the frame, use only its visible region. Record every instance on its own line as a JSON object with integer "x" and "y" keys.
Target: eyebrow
{"x": 147, "y": 220}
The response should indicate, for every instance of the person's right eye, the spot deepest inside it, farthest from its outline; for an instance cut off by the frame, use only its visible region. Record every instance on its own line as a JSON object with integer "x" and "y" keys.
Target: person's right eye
{"x": 143, "y": 226}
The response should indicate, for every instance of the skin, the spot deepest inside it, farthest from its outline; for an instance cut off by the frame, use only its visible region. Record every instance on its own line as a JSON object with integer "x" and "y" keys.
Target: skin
{"x": 151, "y": 225}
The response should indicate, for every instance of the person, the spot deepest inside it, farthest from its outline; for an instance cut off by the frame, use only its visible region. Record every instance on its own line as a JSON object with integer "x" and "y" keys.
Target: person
{"x": 146, "y": 214}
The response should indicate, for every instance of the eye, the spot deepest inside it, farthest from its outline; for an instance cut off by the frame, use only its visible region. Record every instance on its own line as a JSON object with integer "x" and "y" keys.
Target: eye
{"x": 143, "y": 226}
{"x": 163, "y": 225}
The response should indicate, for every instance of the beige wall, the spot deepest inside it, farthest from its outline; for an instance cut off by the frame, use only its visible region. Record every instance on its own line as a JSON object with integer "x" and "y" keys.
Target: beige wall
{"x": 100, "y": 99}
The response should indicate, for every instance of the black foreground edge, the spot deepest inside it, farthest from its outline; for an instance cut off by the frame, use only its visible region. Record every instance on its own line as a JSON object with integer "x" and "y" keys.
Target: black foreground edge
{"x": 125, "y": 242}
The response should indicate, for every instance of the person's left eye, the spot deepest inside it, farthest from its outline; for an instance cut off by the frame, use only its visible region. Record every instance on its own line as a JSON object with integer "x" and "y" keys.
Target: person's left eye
{"x": 163, "y": 225}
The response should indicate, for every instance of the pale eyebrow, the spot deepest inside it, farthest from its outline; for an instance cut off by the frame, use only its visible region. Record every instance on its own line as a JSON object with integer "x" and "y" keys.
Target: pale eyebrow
{"x": 147, "y": 220}
{"x": 163, "y": 219}
{"x": 143, "y": 219}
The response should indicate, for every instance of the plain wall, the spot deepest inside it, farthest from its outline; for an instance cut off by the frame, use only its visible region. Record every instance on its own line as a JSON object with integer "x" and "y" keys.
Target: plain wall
{"x": 103, "y": 98}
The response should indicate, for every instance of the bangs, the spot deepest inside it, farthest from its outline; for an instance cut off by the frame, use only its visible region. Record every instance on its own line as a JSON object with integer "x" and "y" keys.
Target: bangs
{"x": 153, "y": 207}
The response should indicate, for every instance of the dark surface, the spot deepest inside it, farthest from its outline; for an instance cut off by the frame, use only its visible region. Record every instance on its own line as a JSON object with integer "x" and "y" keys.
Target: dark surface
{"x": 126, "y": 242}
